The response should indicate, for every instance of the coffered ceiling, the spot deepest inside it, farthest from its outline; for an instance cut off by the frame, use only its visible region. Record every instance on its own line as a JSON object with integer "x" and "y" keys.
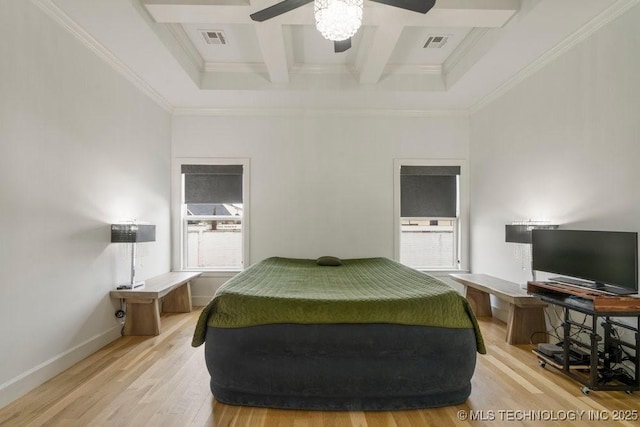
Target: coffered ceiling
{"x": 205, "y": 55}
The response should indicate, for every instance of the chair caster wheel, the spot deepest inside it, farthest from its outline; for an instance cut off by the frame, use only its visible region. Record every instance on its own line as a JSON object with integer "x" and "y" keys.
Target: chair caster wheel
{"x": 542, "y": 363}
{"x": 585, "y": 390}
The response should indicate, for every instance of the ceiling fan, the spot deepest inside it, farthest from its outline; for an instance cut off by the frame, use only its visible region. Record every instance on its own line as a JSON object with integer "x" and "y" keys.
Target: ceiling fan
{"x": 341, "y": 42}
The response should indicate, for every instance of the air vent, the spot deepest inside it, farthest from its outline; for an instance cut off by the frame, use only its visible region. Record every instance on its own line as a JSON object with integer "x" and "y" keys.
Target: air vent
{"x": 436, "y": 41}
{"x": 214, "y": 37}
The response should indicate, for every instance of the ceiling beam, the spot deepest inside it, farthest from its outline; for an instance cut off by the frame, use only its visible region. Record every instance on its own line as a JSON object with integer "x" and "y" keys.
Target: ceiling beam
{"x": 445, "y": 13}
{"x": 274, "y": 53}
{"x": 384, "y": 41}
{"x": 477, "y": 43}
{"x": 194, "y": 11}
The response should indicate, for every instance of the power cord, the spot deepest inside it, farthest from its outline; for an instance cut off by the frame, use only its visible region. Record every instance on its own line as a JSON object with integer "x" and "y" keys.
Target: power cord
{"x": 121, "y": 314}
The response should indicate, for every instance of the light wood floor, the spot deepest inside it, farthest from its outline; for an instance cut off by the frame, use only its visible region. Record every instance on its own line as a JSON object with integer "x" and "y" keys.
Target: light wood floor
{"x": 163, "y": 381}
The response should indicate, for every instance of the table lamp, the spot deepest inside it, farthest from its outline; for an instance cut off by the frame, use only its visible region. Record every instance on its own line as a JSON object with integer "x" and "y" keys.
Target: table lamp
{"x": 132, "y": 233}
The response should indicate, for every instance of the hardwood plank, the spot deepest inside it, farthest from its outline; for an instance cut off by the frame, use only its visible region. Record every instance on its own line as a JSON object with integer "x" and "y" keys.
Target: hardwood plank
{"x": 380, "y": 419}
{"x": 162, "y": 380}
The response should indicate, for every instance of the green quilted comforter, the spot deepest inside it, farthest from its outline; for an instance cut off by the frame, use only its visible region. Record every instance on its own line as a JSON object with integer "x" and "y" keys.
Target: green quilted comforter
{"x": 369, "y": 290}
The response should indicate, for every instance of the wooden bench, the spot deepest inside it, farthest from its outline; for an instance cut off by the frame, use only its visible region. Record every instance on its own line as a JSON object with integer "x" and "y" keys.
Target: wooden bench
{"x": 169, "y": 293}
{"x": 526, "y": 322}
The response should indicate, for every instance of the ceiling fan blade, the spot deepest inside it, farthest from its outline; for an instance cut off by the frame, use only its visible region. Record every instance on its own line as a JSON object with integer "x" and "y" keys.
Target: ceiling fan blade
{"x": 421, "y": 6}
{"x": 342, "y": 45}
{"x": 278, "y": 9}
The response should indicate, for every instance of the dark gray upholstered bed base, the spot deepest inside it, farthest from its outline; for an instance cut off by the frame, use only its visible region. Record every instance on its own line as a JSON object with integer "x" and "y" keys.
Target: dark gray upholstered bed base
{"x": 341, "y": 366}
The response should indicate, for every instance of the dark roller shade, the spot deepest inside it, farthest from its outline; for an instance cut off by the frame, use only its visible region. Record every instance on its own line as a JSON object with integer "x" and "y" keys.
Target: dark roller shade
{"x": 212, "y": 169}
{"x": 428, "y": 191}
{"x": 430, "y": 170}
{"x": 212, "y": 183}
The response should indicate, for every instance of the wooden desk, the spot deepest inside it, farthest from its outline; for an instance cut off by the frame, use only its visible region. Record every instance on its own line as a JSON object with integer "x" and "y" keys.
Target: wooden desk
{"x": 526, "y": 312}
{"x": 601, "y": 301}
{"x": 169, "y": 293}
{"x": 604, "y": 342}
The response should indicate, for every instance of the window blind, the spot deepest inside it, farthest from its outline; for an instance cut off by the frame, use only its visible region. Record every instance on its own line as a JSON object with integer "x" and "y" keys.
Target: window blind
{"x": 429, "y": 191}
{"x": 212, "y": 183}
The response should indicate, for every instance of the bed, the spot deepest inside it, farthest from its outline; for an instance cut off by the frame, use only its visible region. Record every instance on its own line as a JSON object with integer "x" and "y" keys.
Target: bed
{"x": 369, "y": 334}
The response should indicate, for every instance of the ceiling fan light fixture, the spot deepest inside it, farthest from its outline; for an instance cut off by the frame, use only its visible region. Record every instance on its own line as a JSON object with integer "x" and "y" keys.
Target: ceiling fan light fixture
{"x": 338, "y": 20}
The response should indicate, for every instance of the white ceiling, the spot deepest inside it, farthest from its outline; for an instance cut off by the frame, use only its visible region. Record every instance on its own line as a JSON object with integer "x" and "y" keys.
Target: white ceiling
{"x": 284, "y": 63}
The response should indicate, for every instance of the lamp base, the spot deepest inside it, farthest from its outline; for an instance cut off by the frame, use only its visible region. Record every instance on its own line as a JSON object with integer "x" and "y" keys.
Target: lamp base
{"x": 137, "y": 285}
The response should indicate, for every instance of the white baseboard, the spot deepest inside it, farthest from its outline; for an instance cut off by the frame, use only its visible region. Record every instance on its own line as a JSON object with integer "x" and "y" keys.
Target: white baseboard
{"x": 200, "y": 301}
{"x": 27, "y": 381}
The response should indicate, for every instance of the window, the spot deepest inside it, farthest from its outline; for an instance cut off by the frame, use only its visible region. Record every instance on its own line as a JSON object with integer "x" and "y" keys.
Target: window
{"x": 213, "y": 215}
{"x": 429, "y": 224}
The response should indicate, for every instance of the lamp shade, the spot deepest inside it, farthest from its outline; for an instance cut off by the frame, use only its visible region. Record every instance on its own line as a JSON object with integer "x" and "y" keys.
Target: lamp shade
{"x": 132, "y": 233}
{"x": 517, "y": 234}
{"x": 521, "y": 233}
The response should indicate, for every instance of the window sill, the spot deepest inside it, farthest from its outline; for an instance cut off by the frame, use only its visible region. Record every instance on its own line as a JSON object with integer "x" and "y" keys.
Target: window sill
{"x": 442, "y": 273}
{"x": 214, "y": 273}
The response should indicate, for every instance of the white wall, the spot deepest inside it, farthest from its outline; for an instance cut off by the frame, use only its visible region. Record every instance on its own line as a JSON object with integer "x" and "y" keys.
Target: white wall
{"x": 562, "y": 146}
{"x": 321, "y": 184}
{"x": 80, "y": 147}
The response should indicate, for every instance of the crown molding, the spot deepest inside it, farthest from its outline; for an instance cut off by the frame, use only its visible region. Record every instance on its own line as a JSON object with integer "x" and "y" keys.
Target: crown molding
{"x": 186, "y": 44}
{"x": 255, "y": 67}
{"x": 463, "y": 49}
{"x": 234, "y": 67}
{"x": 53, "y": 11}
{"x": 318, "y": 69}
{"x": 288, "y": 112}
{"x": 413, "y": 69}
{"x": 322, "y": 69}
{"x": 611, "y": 13}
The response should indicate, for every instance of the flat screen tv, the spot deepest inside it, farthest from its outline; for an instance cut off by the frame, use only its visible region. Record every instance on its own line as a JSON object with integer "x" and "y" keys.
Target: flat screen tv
{"x": 607, "y": 260}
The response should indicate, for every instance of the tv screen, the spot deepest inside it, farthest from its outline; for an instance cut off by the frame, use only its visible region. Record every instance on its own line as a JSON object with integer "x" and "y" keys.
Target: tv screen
{"x": 607, "y": 258}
